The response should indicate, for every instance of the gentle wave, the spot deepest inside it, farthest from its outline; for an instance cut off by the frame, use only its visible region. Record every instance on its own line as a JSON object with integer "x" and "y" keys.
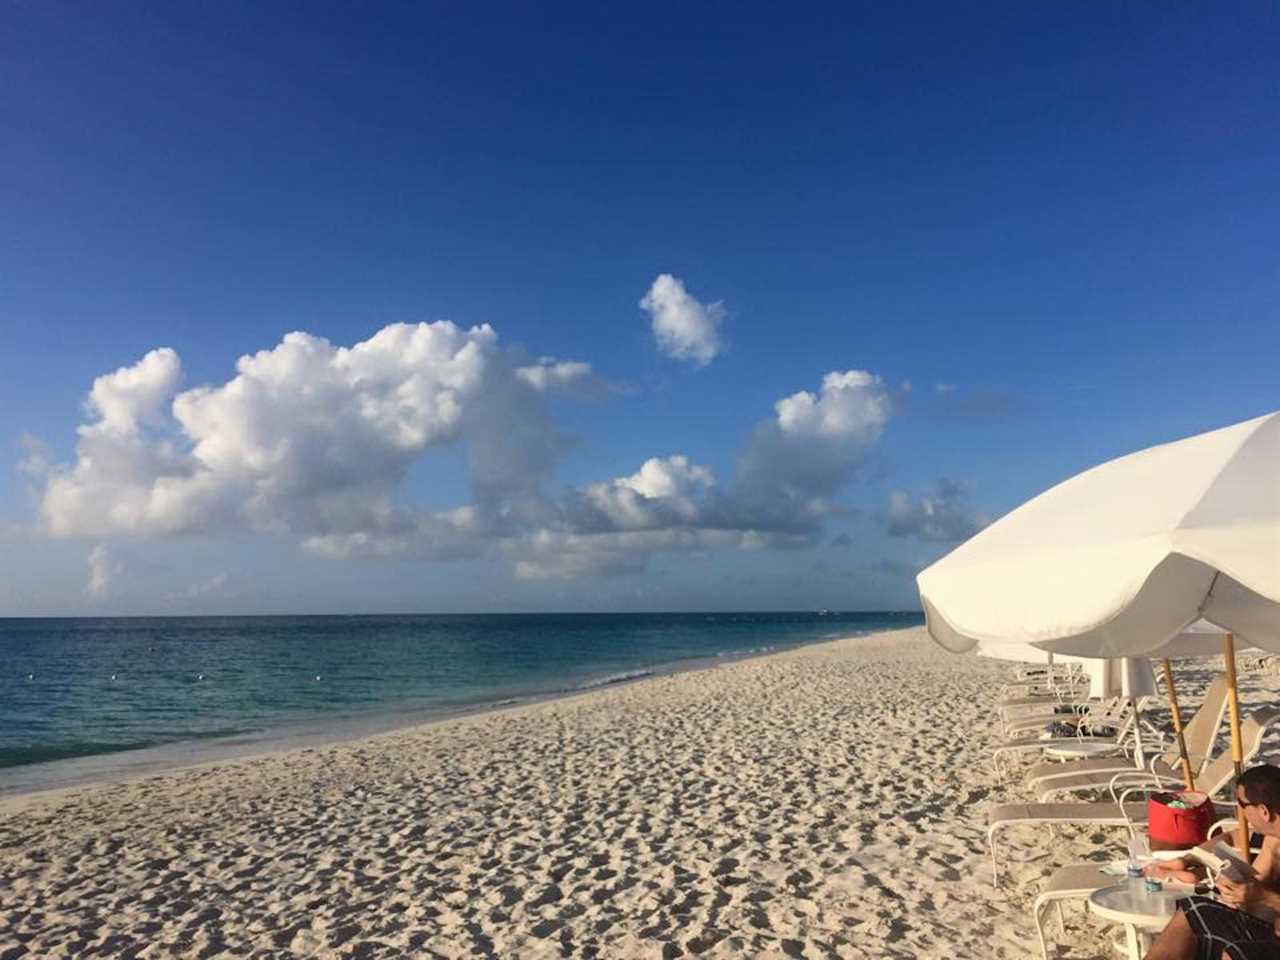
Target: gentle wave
{"x": 74, "y": 749}
{"x": 615, "y": 678}
{"x": 750, "y": 652}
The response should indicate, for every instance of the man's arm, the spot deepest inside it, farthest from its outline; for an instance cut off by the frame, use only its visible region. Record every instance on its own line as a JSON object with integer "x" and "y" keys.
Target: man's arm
{"x": 1188, "y": 870}
{"x": 1267, "y": 866}
{"x": 1261, "y": 892}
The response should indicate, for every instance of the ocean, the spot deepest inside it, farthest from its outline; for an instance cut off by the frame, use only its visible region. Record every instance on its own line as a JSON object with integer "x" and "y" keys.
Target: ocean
{"x": 87, "y": 699}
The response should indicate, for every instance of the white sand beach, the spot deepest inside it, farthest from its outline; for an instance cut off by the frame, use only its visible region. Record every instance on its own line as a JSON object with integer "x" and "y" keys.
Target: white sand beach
{"x": 824, "y": 802}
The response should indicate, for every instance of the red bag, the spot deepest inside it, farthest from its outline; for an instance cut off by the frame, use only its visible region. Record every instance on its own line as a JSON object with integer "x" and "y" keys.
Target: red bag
{"x": 1176, "y": 820}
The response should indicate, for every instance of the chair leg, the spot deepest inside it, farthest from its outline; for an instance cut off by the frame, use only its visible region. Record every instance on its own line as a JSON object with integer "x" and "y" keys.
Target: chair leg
{"x": 1062, "y": 920}
{"x": 995, "y": 865}
{"x": 1037, "y": 915}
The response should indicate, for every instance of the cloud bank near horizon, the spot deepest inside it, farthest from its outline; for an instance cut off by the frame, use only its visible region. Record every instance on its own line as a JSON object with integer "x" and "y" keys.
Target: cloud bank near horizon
{"x": 315, "y": 441}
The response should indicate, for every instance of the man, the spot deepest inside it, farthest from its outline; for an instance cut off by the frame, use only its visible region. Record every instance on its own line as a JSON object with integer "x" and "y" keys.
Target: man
{"x": 1228, "y": 928}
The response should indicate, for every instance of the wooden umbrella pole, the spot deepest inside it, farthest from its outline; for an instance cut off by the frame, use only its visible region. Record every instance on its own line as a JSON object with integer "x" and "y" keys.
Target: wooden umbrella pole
{"x": 1237, "y": 748}
{"x": 1177, "y": 726}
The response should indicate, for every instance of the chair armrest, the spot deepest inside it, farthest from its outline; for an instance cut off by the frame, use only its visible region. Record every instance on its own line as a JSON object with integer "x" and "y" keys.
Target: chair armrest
{"x": 1137, "y": 780}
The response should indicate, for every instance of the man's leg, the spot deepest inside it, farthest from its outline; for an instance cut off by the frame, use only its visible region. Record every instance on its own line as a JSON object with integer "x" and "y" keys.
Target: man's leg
{"x": 1175, "y": 941}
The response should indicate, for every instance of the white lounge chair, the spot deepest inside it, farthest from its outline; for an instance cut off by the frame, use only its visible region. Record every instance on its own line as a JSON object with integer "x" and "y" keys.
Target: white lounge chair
{"x": 1215, "y": 779}
{"x": 1047, "y": 779}
{"x": 1095, "y": 711}
{"x": 1073, "y": 882}
{"x": 1118, "y": 714}
{"x": 1024, "y": 713}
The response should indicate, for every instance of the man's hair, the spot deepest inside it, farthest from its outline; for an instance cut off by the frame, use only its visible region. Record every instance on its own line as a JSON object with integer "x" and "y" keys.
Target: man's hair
{"x": 1261, "y": 784}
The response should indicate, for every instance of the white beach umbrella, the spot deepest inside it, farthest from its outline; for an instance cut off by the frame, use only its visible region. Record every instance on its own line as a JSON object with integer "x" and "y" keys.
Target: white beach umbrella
{"x": 1119, "y": 559}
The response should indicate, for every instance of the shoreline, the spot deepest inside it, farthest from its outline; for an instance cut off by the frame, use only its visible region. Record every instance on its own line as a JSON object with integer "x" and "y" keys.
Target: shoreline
{"x": 55, "y": 777}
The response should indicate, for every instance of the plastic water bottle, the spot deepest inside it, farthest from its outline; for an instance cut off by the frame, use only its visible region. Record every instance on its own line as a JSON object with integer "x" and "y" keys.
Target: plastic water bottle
{"x": 1138, "y": 851}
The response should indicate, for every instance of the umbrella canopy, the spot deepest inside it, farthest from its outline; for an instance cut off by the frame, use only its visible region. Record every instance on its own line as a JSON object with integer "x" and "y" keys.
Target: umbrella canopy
{"x": 1020, "y": 652}
{"x": 1118, "y": 559}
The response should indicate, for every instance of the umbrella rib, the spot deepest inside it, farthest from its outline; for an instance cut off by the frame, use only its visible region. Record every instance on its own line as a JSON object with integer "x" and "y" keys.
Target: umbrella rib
{"x": 1208, "y": 594}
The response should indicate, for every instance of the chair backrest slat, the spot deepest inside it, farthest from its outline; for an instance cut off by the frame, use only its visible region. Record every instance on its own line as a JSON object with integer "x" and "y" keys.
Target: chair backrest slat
{"x": 1218, "y": 774}
{"x": 1201, "y": 730}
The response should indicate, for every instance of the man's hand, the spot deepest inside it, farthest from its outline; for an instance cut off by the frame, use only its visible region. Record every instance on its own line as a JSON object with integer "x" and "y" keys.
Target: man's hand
{"x": 1243, "y": 896}
{"x": 1182, "y": 869}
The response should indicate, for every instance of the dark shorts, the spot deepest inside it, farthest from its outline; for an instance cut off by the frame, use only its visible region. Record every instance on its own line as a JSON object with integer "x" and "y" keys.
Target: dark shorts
{"x": 1221, "y": 929}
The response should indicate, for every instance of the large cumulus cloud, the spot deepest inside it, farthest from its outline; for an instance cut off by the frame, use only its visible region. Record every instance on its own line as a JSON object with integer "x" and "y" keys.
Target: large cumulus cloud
{"x": 306, "y": 438}
{"x": 315, "y": 441}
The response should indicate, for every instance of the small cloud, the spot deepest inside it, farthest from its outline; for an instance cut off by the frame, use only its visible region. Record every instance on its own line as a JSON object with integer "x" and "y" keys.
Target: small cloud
{"x": 685, "y": 328}
{"x": 942, "y": 516}
{"x": 852, "y": 405}
{"x": 944, "y": 388}
{"x": 664, "y": 492}
{"x": 552, "y": 374}
{"x": 906, "y": 386}
{"x": 102, "y": 572}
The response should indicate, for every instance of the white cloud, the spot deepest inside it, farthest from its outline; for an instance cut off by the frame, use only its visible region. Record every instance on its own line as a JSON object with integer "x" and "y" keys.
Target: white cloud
{"x": 662, "y": 493}
{"x": 305, "y": 437}
{"x": 449, "y": 535}
{"x": 133, "y": 395}
{"x": 314, "y": 441}
{"x": 788, "y": 478}
{"x": 944, "y": 388}
{"x": 853, "y": 406}
{"x": 797, "y": 462}
{"x": 685, "y": 329}
{"x": 942, "y": 516}
{"x": 562, "y": 555}
{"x": 102, "y": 572}
{"x": 671, "y": 478}
{"x": 550, "y": 374}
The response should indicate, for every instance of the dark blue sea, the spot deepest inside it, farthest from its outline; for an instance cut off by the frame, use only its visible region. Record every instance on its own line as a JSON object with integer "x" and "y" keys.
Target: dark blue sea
{"x": 205, "y": 687}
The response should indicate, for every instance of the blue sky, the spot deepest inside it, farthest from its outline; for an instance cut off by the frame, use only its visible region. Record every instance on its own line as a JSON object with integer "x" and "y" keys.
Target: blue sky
{"x": 1056, "y": 226}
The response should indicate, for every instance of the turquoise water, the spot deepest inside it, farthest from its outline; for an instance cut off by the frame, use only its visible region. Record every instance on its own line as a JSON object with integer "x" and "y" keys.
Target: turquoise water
{"x": 85, "y": 687}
